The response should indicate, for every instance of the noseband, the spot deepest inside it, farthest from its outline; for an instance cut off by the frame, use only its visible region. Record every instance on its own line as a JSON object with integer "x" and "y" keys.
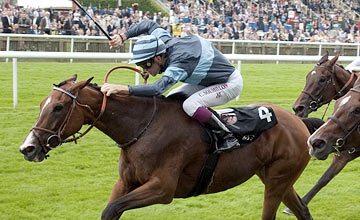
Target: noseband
{"x": 340, "y": 142}
{"x": 316, "y": 103}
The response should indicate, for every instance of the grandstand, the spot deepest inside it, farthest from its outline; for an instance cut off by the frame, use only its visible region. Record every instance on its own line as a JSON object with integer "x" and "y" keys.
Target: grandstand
{"x": 330, "y": 21}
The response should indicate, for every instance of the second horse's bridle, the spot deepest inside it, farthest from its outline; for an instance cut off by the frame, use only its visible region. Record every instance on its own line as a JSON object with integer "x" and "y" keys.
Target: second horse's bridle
{"x": 340, "y": 142}
{"x": 316, "y": 103}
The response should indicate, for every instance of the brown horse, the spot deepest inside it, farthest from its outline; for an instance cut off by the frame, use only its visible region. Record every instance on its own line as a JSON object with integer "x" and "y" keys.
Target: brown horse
{"x": 167, "y": 149}
{"x": 341, "y": 132}
{"x": 325, "y": 82}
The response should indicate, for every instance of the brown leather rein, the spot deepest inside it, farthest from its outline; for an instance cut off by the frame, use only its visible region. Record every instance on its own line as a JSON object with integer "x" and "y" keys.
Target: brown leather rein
{"x": 55, "y": 139}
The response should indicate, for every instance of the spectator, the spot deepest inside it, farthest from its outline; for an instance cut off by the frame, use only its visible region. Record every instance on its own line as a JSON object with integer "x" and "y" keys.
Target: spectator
{"x": 34, "y": 29}
{"x": 7, "y": 23}
{"x": 54, "y": 27}
{"x": 24, "y": 23}
{"x": 67, "y": 25}
{"x": 236, "y": 19}
{"x": 45, "y": 24}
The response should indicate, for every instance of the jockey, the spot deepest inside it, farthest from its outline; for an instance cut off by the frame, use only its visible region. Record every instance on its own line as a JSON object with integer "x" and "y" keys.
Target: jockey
{"x": 354, "y": 66}
{"x": 207, "y": 75}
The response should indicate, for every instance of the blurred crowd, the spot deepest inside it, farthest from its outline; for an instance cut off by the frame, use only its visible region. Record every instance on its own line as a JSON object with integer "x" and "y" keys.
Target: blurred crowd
{"x": 268, "y": 20}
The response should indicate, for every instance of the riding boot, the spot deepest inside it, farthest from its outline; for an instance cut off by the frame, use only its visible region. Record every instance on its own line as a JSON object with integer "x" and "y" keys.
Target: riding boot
{"x": 226, "y": 139}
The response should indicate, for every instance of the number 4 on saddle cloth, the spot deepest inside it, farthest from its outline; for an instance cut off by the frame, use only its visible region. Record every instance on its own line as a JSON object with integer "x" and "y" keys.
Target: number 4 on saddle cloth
{"x": 248, "y": 122}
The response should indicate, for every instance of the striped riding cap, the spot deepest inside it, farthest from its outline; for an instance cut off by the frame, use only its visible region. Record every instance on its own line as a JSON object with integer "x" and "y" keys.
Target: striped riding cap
{"x": 146, "y": 47}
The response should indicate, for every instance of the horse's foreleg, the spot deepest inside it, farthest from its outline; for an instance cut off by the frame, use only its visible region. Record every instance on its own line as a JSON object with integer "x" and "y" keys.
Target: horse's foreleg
{"x": 337, "y": 164}
{"x": 155, "y": 191}
{"x": 294, "y": 202}
{"x": 118, "y": 190}
{"x": 279, "y": 178}
{"x": 272, "y": 199}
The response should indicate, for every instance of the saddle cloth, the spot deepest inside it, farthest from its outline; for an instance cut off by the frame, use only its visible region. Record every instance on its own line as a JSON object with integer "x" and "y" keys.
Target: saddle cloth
{"x": 248, "y": 122}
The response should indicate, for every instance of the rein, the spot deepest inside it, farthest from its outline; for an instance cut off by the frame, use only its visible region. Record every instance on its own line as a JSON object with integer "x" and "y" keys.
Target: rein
{"x": 132, "y": 141}
{"x": 55, "y": 139}
{"x": 340, "y": 142}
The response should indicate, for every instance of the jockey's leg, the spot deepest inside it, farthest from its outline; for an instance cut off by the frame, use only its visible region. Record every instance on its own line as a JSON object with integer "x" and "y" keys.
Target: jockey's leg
{"x": 196, "y": 106}
{"x": 211, "y": 121}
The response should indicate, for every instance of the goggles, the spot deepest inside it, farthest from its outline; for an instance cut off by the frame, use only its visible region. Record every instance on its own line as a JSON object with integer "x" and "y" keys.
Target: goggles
{"x": 146, "y": 64}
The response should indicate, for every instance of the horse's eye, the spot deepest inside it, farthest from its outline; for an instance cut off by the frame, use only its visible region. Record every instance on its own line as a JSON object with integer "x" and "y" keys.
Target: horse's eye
{"x": 357, "y": 111}
{"x": 58, "y": 108}
{"x": 322, "y": 80}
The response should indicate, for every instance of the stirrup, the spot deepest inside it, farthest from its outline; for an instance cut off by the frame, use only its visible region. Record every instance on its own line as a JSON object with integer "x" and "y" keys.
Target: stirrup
{"x": 229, "y": 142}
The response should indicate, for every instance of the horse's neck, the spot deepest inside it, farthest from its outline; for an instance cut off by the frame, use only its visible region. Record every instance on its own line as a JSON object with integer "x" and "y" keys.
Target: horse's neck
{"x": 343, "y": 76}
{"x": 124, "y": 119}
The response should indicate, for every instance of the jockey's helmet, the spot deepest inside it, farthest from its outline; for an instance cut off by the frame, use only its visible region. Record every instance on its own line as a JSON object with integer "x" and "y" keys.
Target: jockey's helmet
{"x": 147, "y": 47}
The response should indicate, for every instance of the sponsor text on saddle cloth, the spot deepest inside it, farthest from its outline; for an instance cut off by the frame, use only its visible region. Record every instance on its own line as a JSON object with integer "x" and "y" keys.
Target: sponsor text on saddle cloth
{"x": 248, "y": 122}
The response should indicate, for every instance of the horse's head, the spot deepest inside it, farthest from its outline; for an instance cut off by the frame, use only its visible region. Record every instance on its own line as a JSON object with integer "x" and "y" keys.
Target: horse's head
{"x": 319, "y": 88}
{"x": 59, "y": 118}
{"x": 341, "y": 131}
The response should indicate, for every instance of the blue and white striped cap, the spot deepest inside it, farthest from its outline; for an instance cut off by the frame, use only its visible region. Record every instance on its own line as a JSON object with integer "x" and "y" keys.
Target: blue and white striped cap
{"x": 146, "y": 47}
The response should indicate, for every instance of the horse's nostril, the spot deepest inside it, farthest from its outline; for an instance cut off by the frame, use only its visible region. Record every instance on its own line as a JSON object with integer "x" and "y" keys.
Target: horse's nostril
{"x": 299, "y": 108}
{"x": 28, "y": 149}
{"x": 318, "y": 143}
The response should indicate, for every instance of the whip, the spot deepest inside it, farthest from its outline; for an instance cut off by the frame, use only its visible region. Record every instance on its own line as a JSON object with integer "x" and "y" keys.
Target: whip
{"x": 97, "y": 24}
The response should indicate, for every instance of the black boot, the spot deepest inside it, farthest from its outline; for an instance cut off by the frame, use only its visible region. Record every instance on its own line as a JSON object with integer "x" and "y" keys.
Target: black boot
{"x": 226, "y": 139}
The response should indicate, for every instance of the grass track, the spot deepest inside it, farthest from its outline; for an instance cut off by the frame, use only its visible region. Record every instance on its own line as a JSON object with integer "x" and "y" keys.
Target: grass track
{"x": 76, "y": 181}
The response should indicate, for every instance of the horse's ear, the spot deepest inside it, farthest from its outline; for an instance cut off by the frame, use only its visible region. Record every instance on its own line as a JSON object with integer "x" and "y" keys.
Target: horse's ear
{"x": 72, "y": 78}
{"x": 333, "y": 61}
{"x": 324, "y": 58}
{"x": 79, "y": 85}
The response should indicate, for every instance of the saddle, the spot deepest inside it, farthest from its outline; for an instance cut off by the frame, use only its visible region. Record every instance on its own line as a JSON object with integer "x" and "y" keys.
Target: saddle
{"x": 248, "y": 122}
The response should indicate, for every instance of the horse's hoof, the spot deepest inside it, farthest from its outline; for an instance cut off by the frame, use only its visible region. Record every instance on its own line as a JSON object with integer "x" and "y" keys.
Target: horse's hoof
{"x": 109, "y": 214}
{"x": 110, "y": 217}
{"x": 288, "y": 211}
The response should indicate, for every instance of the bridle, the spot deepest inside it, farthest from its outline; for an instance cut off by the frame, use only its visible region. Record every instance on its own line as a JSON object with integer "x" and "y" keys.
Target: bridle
{"x": 340, "y": 142}
{"x": 316, "y": 103}
{"x": 55, "y": 140}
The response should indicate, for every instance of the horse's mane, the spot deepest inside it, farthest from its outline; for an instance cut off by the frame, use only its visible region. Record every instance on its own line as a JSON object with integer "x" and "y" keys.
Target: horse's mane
{"x": 60, "y": 84}
{"x": 95, "y": 86}
{"x": 339, "y": 65}
{"x": 312, "y": 124}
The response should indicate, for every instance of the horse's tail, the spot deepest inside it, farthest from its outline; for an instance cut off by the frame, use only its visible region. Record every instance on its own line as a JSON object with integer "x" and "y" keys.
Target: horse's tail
{"x": 312, "y": 123}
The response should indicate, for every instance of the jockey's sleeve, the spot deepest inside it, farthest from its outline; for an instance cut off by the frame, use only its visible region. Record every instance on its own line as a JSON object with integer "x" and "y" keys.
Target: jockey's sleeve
{"x": 148, "y": 27}
{"x": 155, "y": 89}
{"x": 144, "y": 27}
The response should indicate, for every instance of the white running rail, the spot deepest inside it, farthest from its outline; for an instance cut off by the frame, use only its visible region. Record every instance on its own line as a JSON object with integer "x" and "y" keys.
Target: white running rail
{"x": 14, "y": 55}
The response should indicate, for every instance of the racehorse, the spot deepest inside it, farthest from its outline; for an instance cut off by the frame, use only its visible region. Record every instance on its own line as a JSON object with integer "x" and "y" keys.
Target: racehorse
{"x": 325, "y": 82}
{"x": 341, "y": 132}
{"x": 164, "y": 150}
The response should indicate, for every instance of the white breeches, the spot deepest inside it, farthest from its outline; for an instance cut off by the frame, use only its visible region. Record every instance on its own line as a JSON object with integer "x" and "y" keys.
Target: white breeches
{"x": 214, "y": 95}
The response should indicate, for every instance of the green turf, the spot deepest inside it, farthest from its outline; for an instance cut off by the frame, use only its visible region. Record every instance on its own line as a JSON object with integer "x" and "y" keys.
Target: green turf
{"x": 76, "y": 181}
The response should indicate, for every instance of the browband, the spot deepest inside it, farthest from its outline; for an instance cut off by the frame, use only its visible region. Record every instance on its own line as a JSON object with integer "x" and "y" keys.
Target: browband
{"x": 64, "y": 91}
